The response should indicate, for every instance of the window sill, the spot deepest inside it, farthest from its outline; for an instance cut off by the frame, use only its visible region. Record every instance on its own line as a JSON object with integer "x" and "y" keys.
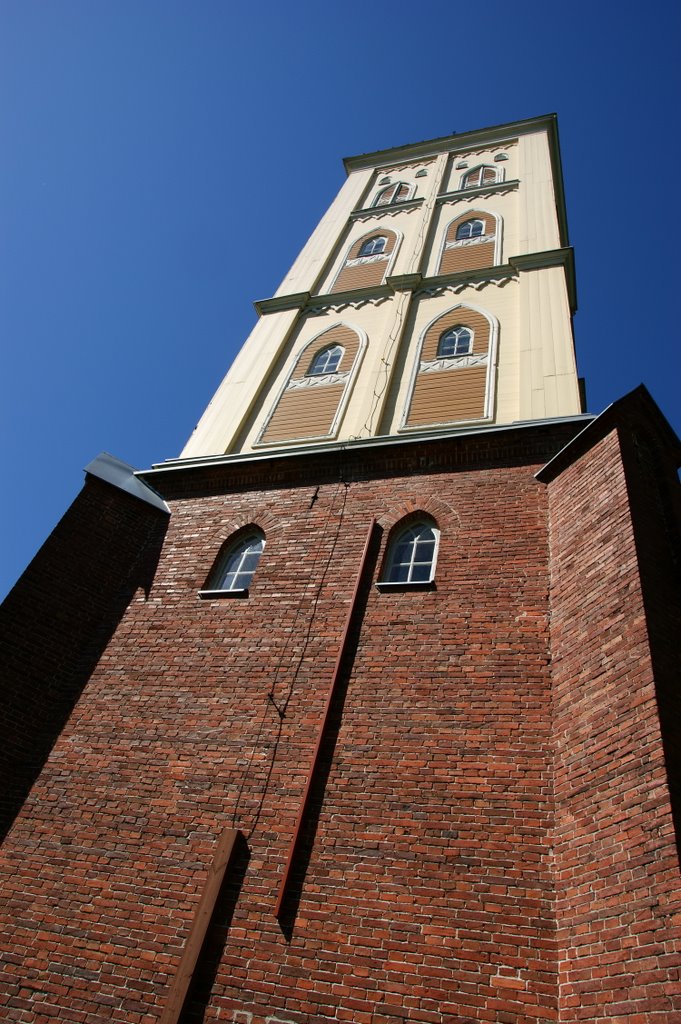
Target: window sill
{"x": 216, "y": 595}
{"x": 387, "y": 588}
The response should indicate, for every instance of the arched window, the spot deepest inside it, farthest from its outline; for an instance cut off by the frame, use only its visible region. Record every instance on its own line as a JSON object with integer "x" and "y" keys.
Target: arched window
{"x": 470, "y": 229}
{"x": 236, "y": 565}
{"x": 483, "y": 175}
{"x": 373, "y": 246}
{"x": 457, "y": 341}
{"x": 412, "y": 554}
{"x": 327, "y": 360}
{"x": 399, "y": 192}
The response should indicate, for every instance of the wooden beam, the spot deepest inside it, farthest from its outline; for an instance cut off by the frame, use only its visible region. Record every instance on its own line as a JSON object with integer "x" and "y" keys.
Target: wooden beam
{"x": 199, "y": 927}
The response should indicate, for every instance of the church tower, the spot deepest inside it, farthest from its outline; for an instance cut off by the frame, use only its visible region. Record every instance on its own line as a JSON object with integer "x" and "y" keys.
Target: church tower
{"x": 436, "y": 293}
{"x": 364, "y": 709}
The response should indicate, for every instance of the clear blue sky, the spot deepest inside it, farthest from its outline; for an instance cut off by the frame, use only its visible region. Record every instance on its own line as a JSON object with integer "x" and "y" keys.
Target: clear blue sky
{"x": 133, "y": 242}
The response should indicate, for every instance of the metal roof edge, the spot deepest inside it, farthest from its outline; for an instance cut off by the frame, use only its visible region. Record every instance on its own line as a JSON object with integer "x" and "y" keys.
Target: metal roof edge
{"x": 119, "y": 474}
{"x": 205, "y": 461}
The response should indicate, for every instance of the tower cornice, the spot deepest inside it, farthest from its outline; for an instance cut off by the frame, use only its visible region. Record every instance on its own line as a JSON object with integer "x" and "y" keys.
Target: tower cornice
{"x": 455, "y": 143}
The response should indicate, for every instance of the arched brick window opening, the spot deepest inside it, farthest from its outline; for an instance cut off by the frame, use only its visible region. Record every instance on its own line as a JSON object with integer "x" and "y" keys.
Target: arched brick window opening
{"x": 412, "y": 551}
{"x": 237, "y": 561}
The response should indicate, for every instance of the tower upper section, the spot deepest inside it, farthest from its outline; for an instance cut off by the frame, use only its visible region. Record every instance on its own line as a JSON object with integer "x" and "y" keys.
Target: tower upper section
{"x": 436, "y": 293}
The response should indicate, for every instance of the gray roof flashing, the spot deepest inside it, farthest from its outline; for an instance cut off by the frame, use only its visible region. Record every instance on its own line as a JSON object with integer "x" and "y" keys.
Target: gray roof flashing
{"x": 122, "y": 476}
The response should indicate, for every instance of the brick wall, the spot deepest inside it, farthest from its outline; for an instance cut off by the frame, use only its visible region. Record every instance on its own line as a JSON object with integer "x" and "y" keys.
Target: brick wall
{"x": 426, "y": 887}
{"x": 58, "y": 619}
{"x": 617, "y": 877}
{"x": 427, "y": 896}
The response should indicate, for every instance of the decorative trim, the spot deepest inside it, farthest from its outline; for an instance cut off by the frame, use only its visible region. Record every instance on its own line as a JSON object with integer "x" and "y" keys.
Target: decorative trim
{"x": 395, "y": 168}
{"x": 389, "y": 210}
{"x": 453, "y": 363}
{"x": 457, "y": 243}
{"x": 278, "y": 303}
{"x": 500, "y": 188}
{"x": 487, "y": 151}
{"x": 496, "y": 237}
{"x": 365, "y": 300}
{"x": 488, "y": 139}
{"x": 318, "y": 380}
{"x": 456, "y": 287}
{"x": 375, "y": 258}
{"x": 358, "y": 261}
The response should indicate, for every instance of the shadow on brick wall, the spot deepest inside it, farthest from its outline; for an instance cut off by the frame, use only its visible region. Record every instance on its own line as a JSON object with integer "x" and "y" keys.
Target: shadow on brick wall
{"x": 310, "y": 821}
{"x": 203, "y": 982}
{"x": 655, "y": 497}
{"x": 58, "y": 619}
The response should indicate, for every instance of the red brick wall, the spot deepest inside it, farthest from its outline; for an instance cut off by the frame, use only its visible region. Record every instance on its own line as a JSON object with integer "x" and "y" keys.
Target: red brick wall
{"x": 426, "y": 885}
{"x": 616, "y": 861}
{"x": 58, "y": 619}
{"x": 427, "y": 896}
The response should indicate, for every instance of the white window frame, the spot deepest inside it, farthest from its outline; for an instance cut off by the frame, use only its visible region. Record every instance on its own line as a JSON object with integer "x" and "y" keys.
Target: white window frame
{"x": 450, "y": 330}
{"x": 326, "y": 350}
{"x": 370, "y": 242}
{"x": 471, "y": 220}
{"x": 240, "y": 548}
{"x": 413, "y": 525}
{"x": 498, "y": 176}
{"x": 395, "y": 187}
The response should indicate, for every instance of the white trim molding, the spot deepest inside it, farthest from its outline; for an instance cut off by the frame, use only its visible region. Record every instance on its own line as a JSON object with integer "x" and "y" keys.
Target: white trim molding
{"x": 317, "y": 381}
{"x": 457, "y": 243}
{"x": 358, "y": 261}
{"x": 453, "y": 363}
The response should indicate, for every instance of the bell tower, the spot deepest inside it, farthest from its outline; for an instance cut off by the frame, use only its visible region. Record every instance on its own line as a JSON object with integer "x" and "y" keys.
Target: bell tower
{"x": 435, "y": 294}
